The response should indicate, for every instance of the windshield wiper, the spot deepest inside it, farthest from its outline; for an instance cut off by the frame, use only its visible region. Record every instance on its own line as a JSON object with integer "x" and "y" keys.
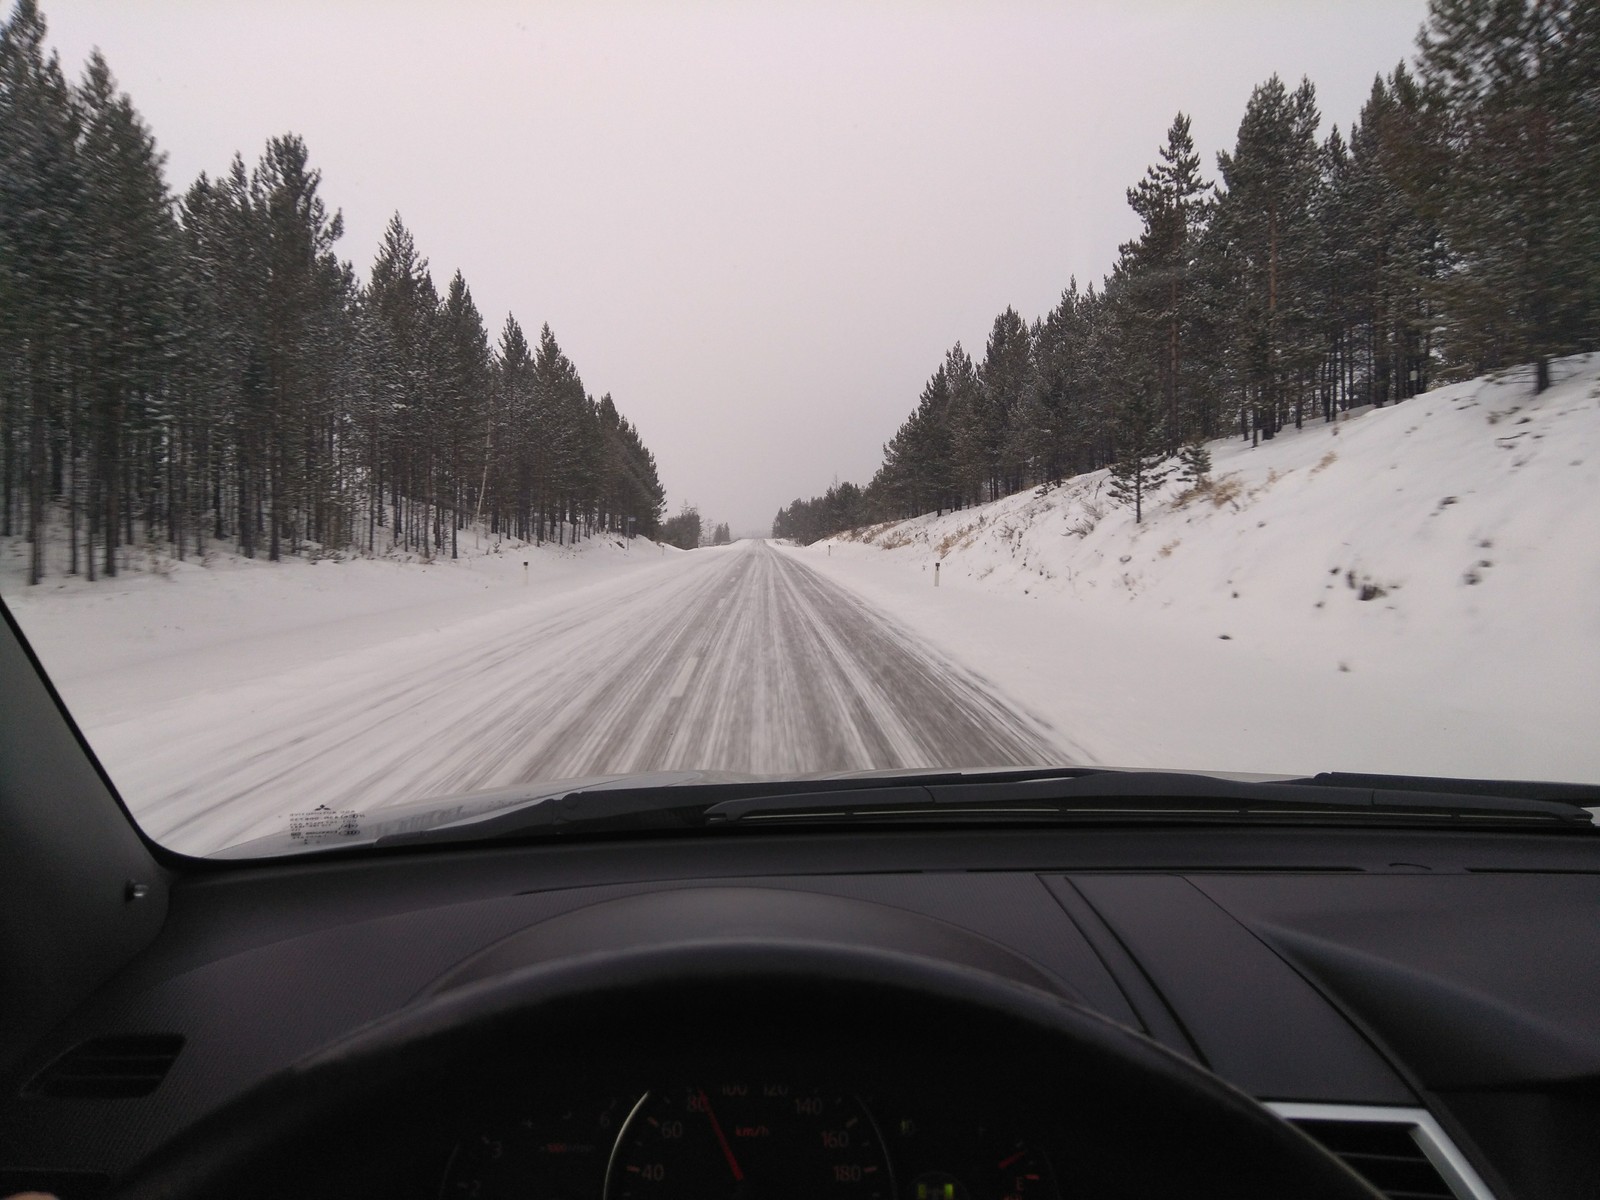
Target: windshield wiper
{"x": 1155, "y": 795}
{"x": 1581, "y": 794}
{"x": 1077, "y": 794}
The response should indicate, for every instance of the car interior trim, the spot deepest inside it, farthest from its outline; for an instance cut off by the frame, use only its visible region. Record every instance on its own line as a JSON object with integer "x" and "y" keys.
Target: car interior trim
{"x": 1429, "y": 1135}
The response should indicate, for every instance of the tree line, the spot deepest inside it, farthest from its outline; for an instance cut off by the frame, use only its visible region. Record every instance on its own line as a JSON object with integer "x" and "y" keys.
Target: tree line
{"x": 177, "y": 372}
{"x": 1454, "y": 231}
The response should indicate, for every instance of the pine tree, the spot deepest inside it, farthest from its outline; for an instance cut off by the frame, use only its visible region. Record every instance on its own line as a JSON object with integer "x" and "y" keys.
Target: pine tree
{"x": 916, "y": 475}
{"x": 514, "y": 386}
{"x": 561, "y": 405}
{"x": 1004, "y": 381}
{"x": 1386, "y": 251}
{"x": 1194, "y": 463}
{"x": 210, "y": 369}
{"x": 648, "y": 499}
{"x": 1513, "y": 86}
{"x": 1265, "y": 217}
{"x": 683, "y": 528}
{"x": 970, "y": 457}
{"x": 1170, "y": 201}
{"x": 299, "y": 291}
{"x": 1137, "y": 420}
{"x": 1063, "y": 405}
{"x": 464, "y": 399}
{"x": 42, "y": 191}
{"x": 1141, "y": 464}
{"x": 400, "y": 307}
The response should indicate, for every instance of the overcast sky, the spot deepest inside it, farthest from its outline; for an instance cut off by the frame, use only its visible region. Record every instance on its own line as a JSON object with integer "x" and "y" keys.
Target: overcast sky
{"x": 757, "y": 225}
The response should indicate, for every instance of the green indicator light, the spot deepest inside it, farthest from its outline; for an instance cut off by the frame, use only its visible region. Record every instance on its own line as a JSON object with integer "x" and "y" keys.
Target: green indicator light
{"x": 949, "y": 1191}
{"x": 922, "y": 1191}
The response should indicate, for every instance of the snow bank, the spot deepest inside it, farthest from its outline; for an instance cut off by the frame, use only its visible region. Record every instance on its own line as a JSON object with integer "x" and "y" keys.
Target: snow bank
{"x": 164, "y": 629}
{"x": 1414, "y": 588}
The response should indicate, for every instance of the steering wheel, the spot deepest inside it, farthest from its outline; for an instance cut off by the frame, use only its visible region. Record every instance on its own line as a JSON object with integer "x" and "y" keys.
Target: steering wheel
{"x": 1150, "y": 1122}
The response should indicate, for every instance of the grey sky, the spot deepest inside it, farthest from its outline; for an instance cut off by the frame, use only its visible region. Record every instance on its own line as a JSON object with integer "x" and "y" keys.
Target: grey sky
{"x": 757, "y": 225}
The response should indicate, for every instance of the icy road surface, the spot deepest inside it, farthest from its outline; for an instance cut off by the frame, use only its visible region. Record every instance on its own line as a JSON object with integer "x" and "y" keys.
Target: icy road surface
{"x": 737, "y": 659}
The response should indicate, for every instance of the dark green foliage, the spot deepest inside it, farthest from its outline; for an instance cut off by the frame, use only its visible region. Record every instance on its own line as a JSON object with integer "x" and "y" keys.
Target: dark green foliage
{"x": 177, "y": 374}
{"x": 843, "y": 506}
{"x": 43, "y": 270}
{"x": 1379, "y": 206}
{"x": 1455, "y": 229}
{"x": 1265, "y": 219}
{"x": 1513, "y": 89}
{"x": 1005, "y": 381}
{"x": 1194, "y": 463}
{"x": 682, "y": 529}
{"x": 1143, "y": 466}
{"x": 1138, "y": 422}
{"x": 1159, "y": 275}
{"x": 918, "y": 470}
{"x": 969, "y": 449}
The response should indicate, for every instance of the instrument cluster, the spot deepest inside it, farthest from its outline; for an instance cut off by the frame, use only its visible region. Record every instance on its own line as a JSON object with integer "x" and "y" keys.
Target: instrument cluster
{"x": 746, "y": 1139}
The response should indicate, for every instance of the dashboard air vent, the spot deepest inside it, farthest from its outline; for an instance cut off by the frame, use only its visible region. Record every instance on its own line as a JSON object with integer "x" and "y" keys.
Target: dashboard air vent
{"x": 1384, "y": 1155}
{"x": 109, "y": 1068}
{"x": 1402, "y": 1152}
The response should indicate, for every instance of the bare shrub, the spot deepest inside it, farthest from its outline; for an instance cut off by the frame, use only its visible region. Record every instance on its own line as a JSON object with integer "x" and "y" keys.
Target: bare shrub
{"x": 1093, "y": 513}
{"x": 1225, "y": 491}
{"x": 949, "y": 541}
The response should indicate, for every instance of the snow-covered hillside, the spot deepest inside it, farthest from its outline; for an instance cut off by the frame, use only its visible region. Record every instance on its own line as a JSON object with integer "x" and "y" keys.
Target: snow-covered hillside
{"x": 1415, "y": 588}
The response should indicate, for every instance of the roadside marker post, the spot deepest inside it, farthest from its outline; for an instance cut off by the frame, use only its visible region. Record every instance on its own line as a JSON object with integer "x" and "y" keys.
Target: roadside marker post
{"x": 524, "y": 572}
{"x": 935, "y": 574}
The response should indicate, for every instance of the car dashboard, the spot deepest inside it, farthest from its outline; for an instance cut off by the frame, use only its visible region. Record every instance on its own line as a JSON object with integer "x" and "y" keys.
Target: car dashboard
{"x": 1418, "y": 1001}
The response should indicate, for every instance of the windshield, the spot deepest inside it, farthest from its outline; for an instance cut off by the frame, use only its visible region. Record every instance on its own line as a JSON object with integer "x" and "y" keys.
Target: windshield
{"x": 408, "y": 417}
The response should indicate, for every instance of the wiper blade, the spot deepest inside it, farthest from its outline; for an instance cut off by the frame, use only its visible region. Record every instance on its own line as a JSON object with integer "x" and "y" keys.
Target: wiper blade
{"x": 1123, "y": 795}
{"x": 1584, "y": 795}
{"x": 582, "y": 810}
{"x": 1066, "y": 795}
{"x": 610, "y": 808}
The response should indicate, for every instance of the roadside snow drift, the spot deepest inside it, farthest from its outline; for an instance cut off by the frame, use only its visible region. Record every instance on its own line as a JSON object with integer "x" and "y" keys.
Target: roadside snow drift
{"x": 1412, "y": 589}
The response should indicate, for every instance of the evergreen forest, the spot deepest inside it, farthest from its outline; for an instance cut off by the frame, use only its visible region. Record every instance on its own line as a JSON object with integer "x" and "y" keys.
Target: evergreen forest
{"x": 1453, "y": 230}
{"x": 183, "y": 371}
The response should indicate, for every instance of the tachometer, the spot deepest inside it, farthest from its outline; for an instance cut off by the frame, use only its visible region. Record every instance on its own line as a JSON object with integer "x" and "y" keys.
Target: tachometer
{"x": 746, "y": 1140}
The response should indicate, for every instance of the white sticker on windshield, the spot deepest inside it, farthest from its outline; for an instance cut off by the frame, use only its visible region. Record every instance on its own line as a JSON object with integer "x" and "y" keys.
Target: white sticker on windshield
{"x": 323, "y": 824}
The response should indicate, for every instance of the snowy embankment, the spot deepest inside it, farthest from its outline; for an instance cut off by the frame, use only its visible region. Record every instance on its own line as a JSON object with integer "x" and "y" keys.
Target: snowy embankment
{"x": 1412, "y": 589}
{"x": 165, "y": 629}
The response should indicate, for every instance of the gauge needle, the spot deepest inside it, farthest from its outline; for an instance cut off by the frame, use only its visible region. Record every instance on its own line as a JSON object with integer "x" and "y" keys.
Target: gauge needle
{"x": 722, "y": 1138}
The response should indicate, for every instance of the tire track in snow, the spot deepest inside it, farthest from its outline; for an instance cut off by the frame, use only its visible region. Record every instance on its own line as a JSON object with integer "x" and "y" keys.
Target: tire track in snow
{"x": 742, "y": 660}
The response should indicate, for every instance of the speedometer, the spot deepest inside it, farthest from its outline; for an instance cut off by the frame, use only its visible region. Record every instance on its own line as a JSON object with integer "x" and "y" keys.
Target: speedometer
{"x": 745, "y": 1139}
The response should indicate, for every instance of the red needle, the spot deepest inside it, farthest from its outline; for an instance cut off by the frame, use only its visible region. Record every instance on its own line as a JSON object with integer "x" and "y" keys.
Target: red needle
{"x": 722, "y": 1138}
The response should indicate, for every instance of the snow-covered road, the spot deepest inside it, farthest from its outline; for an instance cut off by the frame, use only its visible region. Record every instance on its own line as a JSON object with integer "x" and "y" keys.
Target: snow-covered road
{"x": 740, "y": 659}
